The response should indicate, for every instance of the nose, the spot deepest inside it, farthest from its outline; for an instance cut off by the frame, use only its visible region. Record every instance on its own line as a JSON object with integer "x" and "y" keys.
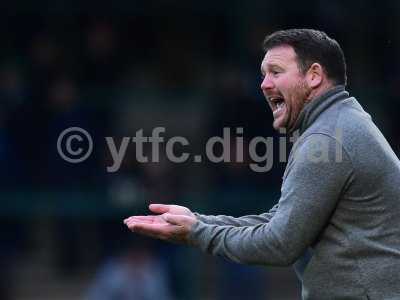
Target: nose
{"x": 267, "y": 83}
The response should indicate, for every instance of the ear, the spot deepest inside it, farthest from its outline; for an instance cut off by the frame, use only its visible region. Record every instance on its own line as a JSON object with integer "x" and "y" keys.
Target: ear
{"x": 315, "y": 75}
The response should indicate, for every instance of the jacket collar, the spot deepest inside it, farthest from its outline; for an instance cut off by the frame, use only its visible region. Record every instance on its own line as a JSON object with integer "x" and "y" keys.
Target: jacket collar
{"x": 314, "y": 108}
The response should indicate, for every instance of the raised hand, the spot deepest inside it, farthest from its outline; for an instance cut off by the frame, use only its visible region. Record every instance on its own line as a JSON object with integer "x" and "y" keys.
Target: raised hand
{"x": 161, "y": 209}
{"x": 173, "y": 223}
{"x": 170, "y": 208}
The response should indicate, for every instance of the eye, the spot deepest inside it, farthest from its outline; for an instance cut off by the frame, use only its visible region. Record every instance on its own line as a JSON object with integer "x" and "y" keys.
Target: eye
{"x": 275, "y": 73}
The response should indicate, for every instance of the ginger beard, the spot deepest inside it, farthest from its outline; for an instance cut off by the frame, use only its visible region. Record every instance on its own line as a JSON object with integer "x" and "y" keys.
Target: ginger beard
{"x": 287, "y": 105}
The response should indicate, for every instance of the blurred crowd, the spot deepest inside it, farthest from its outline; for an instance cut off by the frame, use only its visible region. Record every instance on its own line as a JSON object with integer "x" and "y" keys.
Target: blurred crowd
{"x": 192, "y": 69}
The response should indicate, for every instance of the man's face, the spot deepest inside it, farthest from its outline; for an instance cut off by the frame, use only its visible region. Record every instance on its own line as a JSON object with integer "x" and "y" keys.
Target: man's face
{"x": 284, "y": 86}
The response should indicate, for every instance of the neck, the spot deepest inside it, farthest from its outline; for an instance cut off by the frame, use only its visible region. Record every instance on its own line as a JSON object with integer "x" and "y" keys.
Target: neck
{"x": 321, "y": 89}
{"x": 317, "y": 105}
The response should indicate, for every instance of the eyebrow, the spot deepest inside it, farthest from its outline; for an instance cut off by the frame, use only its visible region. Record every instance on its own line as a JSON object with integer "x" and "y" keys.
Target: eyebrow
{"x": 271, "y": 66}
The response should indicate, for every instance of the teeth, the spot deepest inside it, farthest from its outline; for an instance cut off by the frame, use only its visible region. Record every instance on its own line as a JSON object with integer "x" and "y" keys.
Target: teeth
{"x": 278, "y": 102}
{"x": 280, "y": 105}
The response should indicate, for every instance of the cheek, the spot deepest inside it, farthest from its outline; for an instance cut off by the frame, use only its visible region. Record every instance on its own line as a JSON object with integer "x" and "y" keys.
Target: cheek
{"x": 298, "y": 95}
{"x": 283, "y": 84}
{"x": 287, "y": 85}
{"x": 295, "y": 100}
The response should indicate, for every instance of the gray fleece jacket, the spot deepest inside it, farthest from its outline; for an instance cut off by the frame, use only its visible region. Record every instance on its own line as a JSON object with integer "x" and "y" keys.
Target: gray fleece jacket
{"x": 338, "y": 218}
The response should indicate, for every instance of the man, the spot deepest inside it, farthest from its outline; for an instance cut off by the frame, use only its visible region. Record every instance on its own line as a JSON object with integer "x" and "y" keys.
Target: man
{"x": 338, "y": 218}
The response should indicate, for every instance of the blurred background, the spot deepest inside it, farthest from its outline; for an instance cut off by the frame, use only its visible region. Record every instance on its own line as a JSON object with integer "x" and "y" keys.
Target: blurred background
{"x": 118, "y": 67}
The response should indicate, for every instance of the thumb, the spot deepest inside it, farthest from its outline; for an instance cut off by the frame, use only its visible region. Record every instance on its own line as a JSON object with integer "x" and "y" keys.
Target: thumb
{"x": 178, "y": 220}
{"x": 159, "y": 208}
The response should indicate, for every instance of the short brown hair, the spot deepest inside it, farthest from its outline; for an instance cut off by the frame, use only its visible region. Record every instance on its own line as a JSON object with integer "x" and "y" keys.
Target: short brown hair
{"x": 312, "y": 46}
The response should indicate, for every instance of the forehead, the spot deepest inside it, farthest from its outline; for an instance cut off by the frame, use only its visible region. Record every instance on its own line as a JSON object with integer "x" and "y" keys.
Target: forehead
{"x": 280, "y": 55}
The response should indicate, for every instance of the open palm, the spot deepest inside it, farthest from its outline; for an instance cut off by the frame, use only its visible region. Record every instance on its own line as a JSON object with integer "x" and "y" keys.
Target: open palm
{"x": 161, "y": 209}
{"x": 172, "y": 223}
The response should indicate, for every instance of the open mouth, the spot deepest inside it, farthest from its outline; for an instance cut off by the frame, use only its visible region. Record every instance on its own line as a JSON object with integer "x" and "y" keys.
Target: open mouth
{"x": 277, "y": 103}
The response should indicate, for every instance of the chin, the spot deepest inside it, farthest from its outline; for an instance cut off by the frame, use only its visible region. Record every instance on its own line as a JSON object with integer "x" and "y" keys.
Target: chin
{"x": 279, "y": 125}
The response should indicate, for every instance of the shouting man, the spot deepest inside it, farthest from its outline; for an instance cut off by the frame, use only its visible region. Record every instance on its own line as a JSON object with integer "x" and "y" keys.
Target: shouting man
{"x": 338, "y": 218}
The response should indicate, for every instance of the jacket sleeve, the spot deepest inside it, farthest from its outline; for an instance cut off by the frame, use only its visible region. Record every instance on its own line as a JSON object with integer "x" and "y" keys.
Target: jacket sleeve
{"x": 313, "y": 182}
{"x": 249, "y": 220}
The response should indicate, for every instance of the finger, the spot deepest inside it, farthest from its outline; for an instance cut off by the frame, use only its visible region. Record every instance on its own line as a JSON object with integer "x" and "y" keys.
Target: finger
{"x": 127, "y": 219}
{"x": 138, "y": 217}
{"x": 149, "y": 219}
{"x": 143, "y": 221}
{"x": 130, "y": 218}
{"x": 132, "y": 227}
{"x": 152, "y": 230}
{"x": 159, "y": 208}
{"x": 131, "y": 223}
{"x": 141, "y": 218}
{"x": 179, "y": 220}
